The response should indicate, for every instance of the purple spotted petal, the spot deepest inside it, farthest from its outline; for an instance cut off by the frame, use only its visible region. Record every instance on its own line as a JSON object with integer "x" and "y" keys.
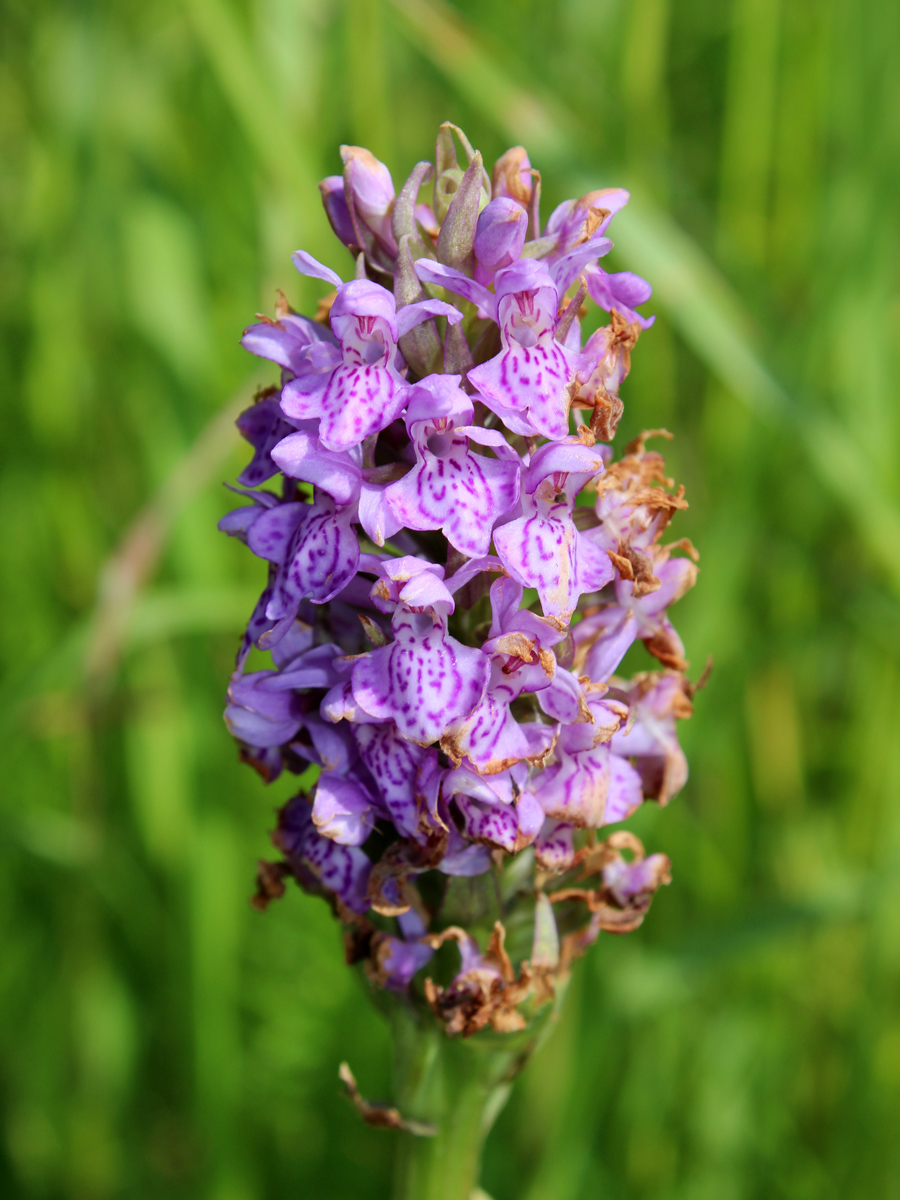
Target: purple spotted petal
{"x": 344, "y": 870}
{"x": 425, "y": 680}
{"x": 352, "y": 402}
{"x": 590, "y": 788}
{"x": 393, "y": 763}
{"x": 271, "y": 535}
{"x": 489, "y": 737}
{"x": 320, "y": 562}
{"x": 493, "y": 825}
{"x": 538, "y": 380}
{"x": 541, "y": 552}
{"x": 456, "y": 491}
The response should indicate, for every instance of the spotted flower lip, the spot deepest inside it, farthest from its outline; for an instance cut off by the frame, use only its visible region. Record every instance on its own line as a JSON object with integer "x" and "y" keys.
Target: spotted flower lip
{"x": 530, "y": 383}
{"x": 455, "y": 570}
{"x": 451, "y": 488}
{"x": 424, "y": 680}
{"x": 543, "y": 548}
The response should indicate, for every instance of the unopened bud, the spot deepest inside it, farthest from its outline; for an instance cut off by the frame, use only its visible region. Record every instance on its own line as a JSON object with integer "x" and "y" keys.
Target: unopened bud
{"x": 370, "y": 190}
{"x": 499, "y": 237}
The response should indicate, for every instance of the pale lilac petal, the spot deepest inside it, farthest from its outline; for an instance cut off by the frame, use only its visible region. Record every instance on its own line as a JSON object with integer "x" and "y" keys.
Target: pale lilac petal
{"x": 455, "y": 281}
{"x": 531, "y": 818}
{"x": 581, "y": 463}
{"x": 566, "y": 269}
{"x": 625, "y": 790}
{"x": 300, "y": 456}
{"x": 342, "y": 810}
{"x": 619, "y": 293}
{"x": 411, "y": 315}
{"x": 307, "y": 265}
{"x": 375, "y": 515}
{"x": 615, "y": 630}
{"x": 435, "y": 397}
{"x": 563, "y": 698}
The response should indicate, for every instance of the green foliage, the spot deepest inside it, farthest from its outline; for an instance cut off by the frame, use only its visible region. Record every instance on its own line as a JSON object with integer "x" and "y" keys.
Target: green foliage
{"x": 158, "y": 1037}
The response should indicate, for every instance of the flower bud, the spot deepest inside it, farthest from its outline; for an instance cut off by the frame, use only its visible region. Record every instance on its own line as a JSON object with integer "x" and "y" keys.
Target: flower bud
{"x": 369, "y": 190}
{"x": 335, "y": 203}
{"x": 499, "y": 237}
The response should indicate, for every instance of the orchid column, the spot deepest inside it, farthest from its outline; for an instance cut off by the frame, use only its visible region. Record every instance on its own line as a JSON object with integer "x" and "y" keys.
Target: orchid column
{"x": 457, "y": 566}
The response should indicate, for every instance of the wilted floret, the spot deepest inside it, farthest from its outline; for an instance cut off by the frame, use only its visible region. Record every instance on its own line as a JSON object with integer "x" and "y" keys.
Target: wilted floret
{"x": 457, "y": 567}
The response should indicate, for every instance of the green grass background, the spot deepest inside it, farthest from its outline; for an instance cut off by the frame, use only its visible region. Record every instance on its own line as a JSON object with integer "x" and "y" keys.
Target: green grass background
{"x": 157, "y": 1037}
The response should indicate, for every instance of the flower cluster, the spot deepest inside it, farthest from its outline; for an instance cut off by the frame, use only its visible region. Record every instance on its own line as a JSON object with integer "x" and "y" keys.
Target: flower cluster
{"x": 456, "y": 569}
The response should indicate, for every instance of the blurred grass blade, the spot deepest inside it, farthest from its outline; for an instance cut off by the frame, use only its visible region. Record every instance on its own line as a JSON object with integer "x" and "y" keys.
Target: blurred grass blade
{"x": 138, "y": 553}
{"x": 280, "y": 149}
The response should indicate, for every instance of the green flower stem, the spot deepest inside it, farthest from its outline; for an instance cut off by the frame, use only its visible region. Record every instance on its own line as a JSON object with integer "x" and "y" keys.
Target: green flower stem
{"x": 458, "y": 1086}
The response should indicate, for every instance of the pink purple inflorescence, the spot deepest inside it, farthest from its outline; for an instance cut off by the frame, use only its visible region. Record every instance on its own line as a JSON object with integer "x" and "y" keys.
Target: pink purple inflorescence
{"x": 456, "y": 567}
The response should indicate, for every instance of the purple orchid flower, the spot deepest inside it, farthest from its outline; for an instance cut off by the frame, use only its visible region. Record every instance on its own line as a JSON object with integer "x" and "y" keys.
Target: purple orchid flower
{"x": 589, "y": 785}
{"x": 531, "y": 382}
{"x": 519, "y": 648}
{"x": 543, "y": 548}
{"x": 451, "y": 488}
{"x": 496, "y": 811}
{"x": 363, "y": 391}
{"x": 343, "y": 870}
{"x": 642, "y": 876}
{"x": 425, "y": 679}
